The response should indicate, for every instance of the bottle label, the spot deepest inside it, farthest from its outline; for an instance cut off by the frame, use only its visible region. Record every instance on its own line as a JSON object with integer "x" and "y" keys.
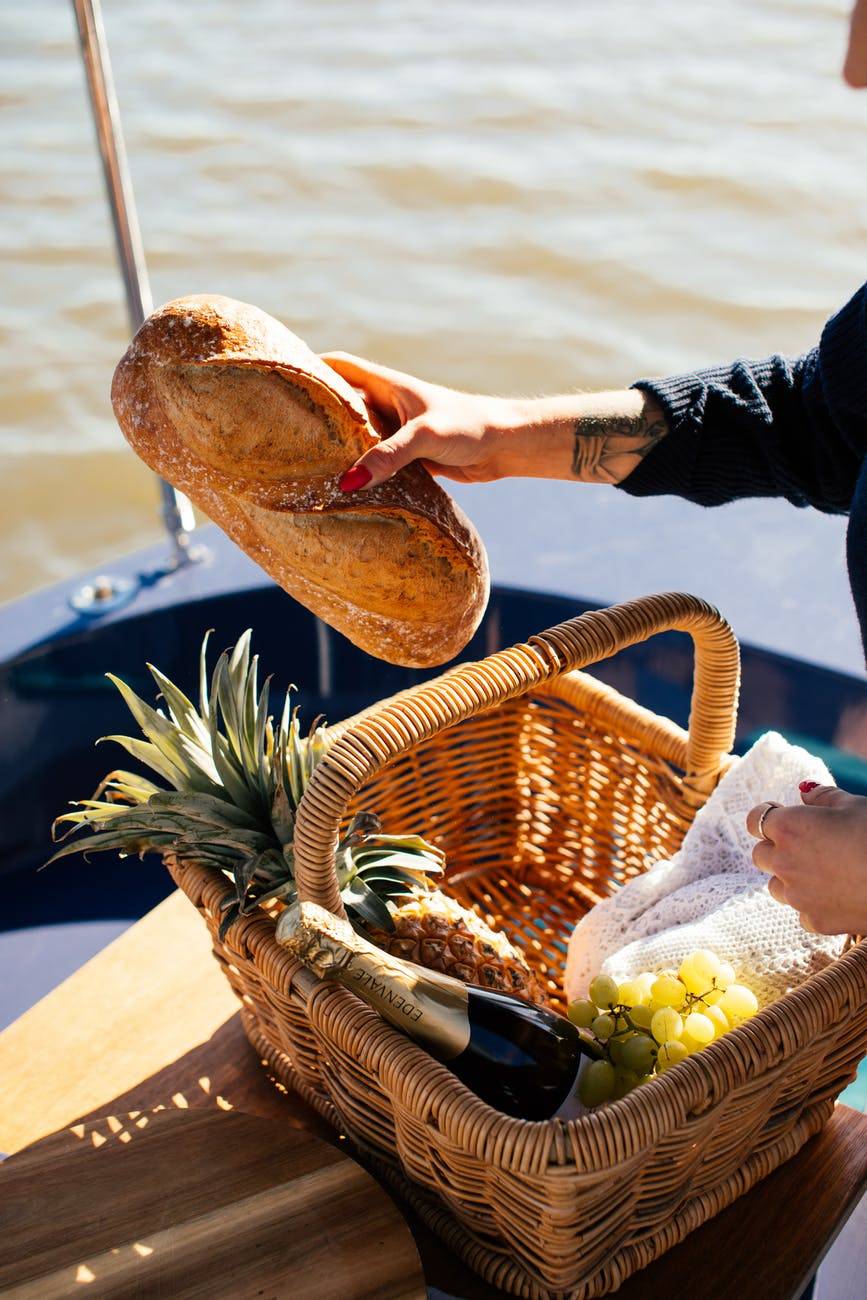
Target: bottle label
{"x": 429, "y": 1006}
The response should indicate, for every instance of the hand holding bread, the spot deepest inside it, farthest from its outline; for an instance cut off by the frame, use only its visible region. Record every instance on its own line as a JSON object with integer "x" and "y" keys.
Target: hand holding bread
{"x": 237, "y": 412}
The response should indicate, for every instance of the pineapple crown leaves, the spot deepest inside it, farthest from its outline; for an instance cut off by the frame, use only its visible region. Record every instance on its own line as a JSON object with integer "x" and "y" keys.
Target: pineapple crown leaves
{"x": 236, "y": 783}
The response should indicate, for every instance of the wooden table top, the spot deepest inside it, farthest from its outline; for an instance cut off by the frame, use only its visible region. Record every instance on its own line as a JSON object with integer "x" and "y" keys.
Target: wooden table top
{"x": 199, "y": 1204}
{"x": 151, "y": 1023}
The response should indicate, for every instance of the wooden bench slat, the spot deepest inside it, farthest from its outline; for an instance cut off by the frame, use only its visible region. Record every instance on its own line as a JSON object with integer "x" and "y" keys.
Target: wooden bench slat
{"x": 151, "y": 1021}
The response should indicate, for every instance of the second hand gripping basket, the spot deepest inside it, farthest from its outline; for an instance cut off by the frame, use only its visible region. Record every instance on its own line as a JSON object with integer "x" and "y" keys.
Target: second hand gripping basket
{"x": 547, "y": 790}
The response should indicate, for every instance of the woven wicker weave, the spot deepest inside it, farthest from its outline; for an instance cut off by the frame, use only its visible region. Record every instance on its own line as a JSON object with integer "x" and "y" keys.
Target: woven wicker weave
{"x": 546, "y": 790}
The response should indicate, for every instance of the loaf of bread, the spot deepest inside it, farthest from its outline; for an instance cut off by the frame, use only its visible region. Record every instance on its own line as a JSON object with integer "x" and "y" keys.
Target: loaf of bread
{"x": 235, "y": 411}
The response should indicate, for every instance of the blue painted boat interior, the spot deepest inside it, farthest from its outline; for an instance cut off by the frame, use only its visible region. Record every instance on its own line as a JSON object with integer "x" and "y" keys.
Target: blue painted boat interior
{"x": 55, "y": 702}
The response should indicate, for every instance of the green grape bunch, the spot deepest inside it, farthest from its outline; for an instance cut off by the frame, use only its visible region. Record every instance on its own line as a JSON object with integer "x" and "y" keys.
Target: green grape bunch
{"x": 651, "y": 1023}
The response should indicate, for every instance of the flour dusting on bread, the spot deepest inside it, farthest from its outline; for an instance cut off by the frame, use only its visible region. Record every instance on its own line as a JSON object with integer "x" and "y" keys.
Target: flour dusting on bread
{"x": 237, "y": 412}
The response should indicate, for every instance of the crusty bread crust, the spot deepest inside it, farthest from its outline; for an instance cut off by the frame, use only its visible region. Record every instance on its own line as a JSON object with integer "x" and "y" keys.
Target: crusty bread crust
{"x": 234, "y": 410}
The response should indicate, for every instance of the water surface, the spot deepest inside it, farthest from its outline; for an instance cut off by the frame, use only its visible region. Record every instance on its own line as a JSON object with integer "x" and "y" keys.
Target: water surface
{"x": 509, "y": 197}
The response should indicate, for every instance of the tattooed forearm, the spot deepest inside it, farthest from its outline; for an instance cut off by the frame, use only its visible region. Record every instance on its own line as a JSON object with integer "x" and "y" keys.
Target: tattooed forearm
{"x": 608, "y": 447}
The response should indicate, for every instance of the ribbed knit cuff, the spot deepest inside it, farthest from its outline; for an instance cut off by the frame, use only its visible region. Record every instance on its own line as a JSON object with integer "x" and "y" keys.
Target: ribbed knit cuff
{"x": 667, "y": 469}
{"x": 724, "y": 428}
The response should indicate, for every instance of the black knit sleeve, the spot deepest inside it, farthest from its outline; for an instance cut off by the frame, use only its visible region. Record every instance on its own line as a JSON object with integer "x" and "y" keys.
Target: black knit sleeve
{"x": 790, "y": 428}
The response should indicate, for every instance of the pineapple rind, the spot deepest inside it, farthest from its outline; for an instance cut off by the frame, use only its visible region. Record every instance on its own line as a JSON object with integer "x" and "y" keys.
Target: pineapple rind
{"x": 435, "y": 930}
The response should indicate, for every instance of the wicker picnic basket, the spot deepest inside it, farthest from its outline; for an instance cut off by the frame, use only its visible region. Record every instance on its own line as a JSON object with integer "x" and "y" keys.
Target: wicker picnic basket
{"x": 546, "y": 789}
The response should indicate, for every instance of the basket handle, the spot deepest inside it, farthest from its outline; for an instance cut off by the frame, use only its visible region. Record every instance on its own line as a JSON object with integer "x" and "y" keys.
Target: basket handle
{"x": 366, "y": 743}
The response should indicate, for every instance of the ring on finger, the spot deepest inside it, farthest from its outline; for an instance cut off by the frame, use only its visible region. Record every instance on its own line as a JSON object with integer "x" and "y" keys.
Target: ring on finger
{"x": 768, "y": 807}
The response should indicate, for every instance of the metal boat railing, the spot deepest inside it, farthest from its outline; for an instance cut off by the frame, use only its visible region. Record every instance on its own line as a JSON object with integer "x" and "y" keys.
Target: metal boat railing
{"x": 177, "y": 512}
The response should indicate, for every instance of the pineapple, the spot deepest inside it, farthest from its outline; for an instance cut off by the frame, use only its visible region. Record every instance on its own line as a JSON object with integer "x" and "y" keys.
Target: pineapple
{"x": 236, "y": 785}
{"x": 433, "y": 930}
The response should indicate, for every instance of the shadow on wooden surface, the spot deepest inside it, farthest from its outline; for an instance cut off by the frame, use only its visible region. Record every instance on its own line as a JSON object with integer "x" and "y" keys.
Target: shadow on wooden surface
{"x": 151, "y": 1023}
{"x": 199, "y": 1203}
{"x": 223, "y": 1073}
{"x": 755, "y": 1250}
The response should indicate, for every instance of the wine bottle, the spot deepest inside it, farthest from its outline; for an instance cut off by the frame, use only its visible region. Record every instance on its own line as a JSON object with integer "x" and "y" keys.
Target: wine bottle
{"x": 519, "y": 1058}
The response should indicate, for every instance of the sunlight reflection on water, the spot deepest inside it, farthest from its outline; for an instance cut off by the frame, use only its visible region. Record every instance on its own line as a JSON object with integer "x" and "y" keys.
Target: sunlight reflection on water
{"x": 495, "y": 196}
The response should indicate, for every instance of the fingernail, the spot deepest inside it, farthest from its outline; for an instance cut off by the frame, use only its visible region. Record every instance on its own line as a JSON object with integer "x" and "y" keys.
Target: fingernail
{"x": 806, "y": 786}
{"x": 355, "y": 478}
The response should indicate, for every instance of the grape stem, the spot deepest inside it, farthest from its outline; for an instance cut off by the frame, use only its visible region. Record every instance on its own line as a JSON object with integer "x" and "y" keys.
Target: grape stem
{"x": 621, "y": 1011}
{"x": 691, "y": 998}
{"x": 588, "y": 1037}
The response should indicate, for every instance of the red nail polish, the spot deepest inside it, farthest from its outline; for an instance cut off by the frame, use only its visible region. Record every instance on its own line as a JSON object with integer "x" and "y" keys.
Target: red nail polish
{"x": 355, "y": 478}
{"x": 806, "y": 786}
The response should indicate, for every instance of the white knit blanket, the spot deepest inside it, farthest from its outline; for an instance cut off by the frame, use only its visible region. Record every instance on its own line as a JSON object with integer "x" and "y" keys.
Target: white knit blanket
{"x": 709, "y": 895}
